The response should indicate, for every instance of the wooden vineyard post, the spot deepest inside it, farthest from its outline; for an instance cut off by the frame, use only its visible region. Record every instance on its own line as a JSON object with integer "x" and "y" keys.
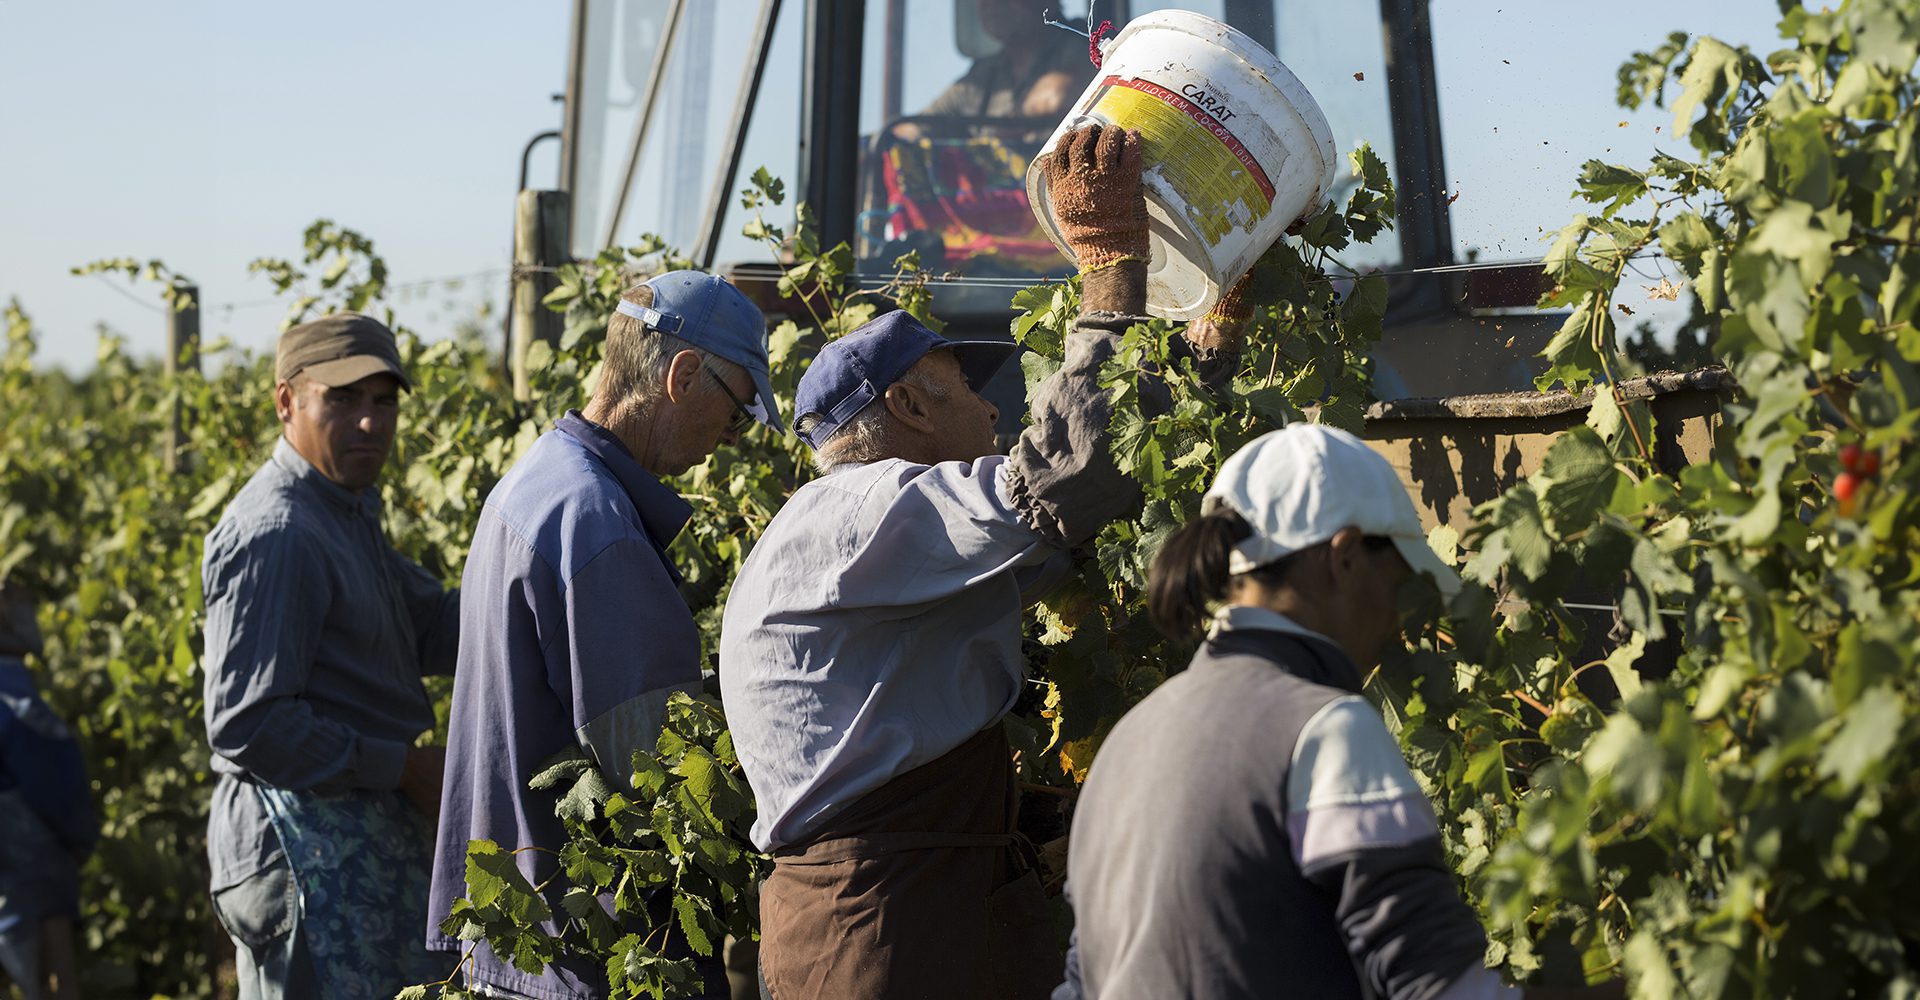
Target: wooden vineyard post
{"x": 539, "y": 245}
{"x": 183, "y": 351}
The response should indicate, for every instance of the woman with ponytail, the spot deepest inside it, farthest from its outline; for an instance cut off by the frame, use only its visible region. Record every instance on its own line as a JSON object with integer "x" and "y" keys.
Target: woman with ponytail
{"x": 1250, "y": 829}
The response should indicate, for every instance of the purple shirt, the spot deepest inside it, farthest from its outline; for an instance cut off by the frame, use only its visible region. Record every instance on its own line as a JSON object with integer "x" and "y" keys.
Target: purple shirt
{"x": 573, "y": 632}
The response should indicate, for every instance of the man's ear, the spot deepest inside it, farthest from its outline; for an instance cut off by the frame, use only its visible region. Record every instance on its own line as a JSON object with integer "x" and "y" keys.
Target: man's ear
{"x": 1345, "y": 553}
{"x": 911, "y": 406}
{"x": 682, "y": 372}
{"x": 283, "y": 400}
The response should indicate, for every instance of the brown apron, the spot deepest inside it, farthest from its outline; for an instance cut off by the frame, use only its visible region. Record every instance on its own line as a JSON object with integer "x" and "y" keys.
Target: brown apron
{"x": 921, "y": 890}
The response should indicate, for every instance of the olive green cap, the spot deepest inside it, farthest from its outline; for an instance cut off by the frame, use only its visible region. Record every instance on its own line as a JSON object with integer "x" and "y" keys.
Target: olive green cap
{"x": 339, "y": 349}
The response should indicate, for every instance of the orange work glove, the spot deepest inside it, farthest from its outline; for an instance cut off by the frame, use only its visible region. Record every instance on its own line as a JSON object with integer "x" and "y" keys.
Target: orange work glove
{"x": 1223, "y": 327}
{"x": 1233, "y": 306}
{"x": 1093, "y": 179}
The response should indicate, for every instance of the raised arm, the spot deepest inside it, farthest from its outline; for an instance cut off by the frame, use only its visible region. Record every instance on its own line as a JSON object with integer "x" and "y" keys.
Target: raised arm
{"x": 1062, "y": 479}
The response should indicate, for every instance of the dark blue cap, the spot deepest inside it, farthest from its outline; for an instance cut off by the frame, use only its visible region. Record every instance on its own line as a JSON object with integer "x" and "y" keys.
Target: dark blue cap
{"x": 855, "y": 370}
{"x": 706, "y": 311}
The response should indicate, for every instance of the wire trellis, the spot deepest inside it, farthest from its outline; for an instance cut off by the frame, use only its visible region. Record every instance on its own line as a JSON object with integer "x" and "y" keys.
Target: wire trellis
{"x": 877, "y": 280}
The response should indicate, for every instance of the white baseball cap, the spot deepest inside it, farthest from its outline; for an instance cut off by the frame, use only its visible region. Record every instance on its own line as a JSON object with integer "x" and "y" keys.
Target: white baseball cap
{"x": 1302, "y": 484}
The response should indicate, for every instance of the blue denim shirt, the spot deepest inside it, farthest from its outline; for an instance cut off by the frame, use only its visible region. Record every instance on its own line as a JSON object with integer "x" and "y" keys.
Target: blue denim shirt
{"x": 317, "y": 634}
{"x": 573, "y": 633}
{"x": 46, "y": 810}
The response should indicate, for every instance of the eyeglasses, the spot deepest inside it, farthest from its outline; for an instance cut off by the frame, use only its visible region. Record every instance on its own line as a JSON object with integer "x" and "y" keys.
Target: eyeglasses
{"x": 743, "y": 418}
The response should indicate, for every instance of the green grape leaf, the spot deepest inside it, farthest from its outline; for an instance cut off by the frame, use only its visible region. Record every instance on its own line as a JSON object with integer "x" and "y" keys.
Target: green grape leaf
{"x": 1579, "y": 479}
{"x": 1868, "y": 730}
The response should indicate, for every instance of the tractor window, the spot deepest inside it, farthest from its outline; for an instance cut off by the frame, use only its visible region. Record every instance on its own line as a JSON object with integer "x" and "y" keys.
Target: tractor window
{"x": 613, "y": 80}
{"x": 772, "y": 140}
{"x": 683, "y": 152}
{"x": 957, "y": 96}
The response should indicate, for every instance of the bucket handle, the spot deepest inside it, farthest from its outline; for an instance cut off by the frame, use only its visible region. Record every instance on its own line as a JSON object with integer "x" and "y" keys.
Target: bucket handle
{"x": 1096, "y": 37}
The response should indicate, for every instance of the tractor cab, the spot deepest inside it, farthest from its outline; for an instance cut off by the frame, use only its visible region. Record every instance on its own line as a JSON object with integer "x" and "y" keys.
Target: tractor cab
{"x": 910, "y": 126}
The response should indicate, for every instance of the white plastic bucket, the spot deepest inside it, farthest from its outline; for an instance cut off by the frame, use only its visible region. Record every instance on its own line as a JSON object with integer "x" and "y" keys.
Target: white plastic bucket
{"x": 1236, "y": 150}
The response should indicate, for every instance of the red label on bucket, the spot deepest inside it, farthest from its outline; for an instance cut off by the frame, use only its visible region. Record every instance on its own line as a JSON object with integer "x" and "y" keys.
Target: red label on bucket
{"x": 1204, "y": 120}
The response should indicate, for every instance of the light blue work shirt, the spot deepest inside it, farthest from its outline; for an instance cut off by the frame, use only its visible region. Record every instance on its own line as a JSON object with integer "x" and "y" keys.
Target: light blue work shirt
{"x": 879, "y": 620}
{"x": 876, "y": 625}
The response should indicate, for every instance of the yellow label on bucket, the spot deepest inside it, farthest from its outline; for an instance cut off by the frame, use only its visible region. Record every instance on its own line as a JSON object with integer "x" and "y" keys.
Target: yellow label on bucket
{"x": 1196, "y": 154}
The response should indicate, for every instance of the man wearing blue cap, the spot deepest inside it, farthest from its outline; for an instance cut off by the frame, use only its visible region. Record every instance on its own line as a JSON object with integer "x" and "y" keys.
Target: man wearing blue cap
{"x": 573, "y": 631}
{"x": 871, "y": 643}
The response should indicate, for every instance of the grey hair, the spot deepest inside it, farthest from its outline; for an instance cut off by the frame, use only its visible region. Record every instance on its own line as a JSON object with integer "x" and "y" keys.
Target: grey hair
{"x": 637, "y": 358}
{"x": 868, "y": 435}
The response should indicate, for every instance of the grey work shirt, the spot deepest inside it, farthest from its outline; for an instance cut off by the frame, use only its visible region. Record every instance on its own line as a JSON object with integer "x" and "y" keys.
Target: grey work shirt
{"x": 317, "y": 634}
{"x": 876, "y": 624}
{"x": 1300, "y": 858}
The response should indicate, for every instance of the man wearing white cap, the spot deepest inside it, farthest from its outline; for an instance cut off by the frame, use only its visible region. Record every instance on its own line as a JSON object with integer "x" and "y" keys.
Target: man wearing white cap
{"x": 1299, "y": 858}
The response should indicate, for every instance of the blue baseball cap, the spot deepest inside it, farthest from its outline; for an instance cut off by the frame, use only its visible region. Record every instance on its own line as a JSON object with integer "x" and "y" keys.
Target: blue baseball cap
{"x": 855, "y": 370}
{"x": 706, "y": 311}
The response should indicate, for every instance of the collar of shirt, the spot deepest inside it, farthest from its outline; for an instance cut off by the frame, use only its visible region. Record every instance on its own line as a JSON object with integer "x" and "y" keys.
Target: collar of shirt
{"x": 1251, "y": 629}
{"x": 365, "y": 503}
{"x": 1244, "y": 618}
{"x": 662, "y": 511}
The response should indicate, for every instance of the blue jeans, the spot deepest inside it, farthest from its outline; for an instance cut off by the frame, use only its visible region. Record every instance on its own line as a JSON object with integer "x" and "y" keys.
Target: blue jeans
{"x": 20, "y": 959}
{"x": 262, "y": 916}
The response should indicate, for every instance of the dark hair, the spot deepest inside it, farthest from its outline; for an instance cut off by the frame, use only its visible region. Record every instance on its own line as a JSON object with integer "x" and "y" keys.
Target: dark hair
{"x": 1191, "y": 570}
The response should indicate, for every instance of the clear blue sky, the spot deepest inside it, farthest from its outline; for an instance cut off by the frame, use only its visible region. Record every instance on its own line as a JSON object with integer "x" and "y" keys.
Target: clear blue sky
{"x": 208, "y": 133}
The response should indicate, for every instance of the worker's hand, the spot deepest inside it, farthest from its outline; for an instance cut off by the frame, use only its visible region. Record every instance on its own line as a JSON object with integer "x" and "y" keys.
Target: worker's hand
{"x": 1093, "y": 180}
{"x": 421, "y": 777}
{"x": 1224, "y": 327}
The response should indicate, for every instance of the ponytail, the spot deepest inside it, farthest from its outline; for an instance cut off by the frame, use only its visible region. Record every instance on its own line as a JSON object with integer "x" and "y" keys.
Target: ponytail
{"x": 1191, "y": 570}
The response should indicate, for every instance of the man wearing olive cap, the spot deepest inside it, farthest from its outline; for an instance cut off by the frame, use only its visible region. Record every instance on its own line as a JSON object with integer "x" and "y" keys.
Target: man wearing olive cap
{"x": 871, "y": 643}
{"x": 317, "y": 635}
{"x": 573, "y": 631}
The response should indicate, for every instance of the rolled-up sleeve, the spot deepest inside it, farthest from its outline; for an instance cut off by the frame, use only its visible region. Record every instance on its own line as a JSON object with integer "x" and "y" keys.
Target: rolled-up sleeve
{"x": 1064, "y": 481}
{"x": 266, "y": 598}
